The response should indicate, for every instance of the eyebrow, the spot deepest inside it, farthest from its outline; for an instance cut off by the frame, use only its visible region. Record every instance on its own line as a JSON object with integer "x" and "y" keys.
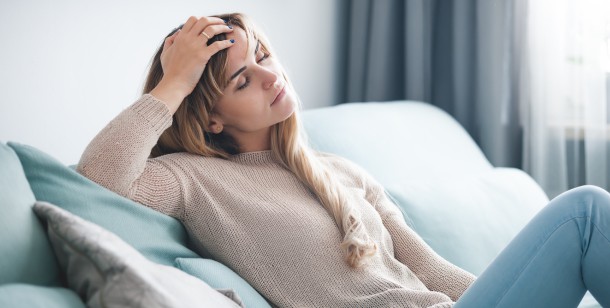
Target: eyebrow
{"x": 241, "y": 70}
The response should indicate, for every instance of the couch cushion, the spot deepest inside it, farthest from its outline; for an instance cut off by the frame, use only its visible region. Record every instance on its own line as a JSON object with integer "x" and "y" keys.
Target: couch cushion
{"x": 107, "y": 272}
{"x": 469, "y": 219}
{"x": 26, "y": 254}
{"x": 157, "y": 236}
{"x": 30, "y": 296}
{"x": 220, "y": 276}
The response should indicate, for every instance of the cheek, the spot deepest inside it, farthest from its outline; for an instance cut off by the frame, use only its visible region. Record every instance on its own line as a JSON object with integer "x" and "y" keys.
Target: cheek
{"x": 242, "y": 107}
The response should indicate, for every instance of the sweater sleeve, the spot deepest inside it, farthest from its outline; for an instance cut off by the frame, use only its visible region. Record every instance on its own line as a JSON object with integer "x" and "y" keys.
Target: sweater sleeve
{"x": 410, "y": 249}
{"x": 117, "y": 158}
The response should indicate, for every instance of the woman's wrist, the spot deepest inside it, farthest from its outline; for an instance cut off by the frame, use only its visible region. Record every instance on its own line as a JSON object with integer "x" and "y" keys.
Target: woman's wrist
{"x": 170, "y": 94}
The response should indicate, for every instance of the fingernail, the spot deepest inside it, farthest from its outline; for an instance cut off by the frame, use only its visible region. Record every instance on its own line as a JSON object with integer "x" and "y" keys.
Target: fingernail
{"x": 232, "y": 41}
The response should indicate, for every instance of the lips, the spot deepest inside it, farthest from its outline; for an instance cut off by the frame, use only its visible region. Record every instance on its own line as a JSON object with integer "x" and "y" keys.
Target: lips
{"x": 279, "y": 96}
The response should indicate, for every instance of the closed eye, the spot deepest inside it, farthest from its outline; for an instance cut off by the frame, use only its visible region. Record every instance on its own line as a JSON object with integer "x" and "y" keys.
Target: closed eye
{"x": 247, "y": 82}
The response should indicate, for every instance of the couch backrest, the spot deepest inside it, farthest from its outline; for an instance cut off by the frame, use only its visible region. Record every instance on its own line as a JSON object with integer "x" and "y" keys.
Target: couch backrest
{"x": 425, "y": 140}
{"x": 27, "y": 256}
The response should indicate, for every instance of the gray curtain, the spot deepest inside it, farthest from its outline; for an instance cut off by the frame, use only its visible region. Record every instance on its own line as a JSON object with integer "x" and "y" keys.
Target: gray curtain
{"x": 458, "y": 55}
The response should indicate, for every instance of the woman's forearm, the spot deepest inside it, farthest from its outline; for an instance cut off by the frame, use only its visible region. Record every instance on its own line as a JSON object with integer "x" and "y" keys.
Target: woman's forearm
{"x": 170, "y": 94}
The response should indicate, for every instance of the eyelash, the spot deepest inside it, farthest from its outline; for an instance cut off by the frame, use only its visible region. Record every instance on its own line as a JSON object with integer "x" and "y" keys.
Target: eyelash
{"x": 243, "y": 86}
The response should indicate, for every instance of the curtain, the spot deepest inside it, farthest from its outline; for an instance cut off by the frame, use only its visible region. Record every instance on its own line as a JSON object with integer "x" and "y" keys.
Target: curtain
{"x": 564, "y": 97}
{"x": 457, "y": 55}
{"x": 520, "y": 76}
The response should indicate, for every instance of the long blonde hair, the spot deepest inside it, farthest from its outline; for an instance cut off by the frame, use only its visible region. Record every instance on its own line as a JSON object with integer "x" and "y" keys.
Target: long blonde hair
{"x": 189, "y": 133}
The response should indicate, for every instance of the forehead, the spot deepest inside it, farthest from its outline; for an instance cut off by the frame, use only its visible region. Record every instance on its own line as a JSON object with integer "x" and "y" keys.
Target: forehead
{"x": 241, "y": 49}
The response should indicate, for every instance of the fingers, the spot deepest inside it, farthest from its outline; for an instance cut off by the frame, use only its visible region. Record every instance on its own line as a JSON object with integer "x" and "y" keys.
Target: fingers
{"x": 204, "y": 22}
{"x": 170, "y": 40}
{"x": 192, "y": 32}
{"x": 211, "y": 31}
{"x": 220, "y": 45}
{"x": 189, "y": 23}
{"x": 216, "y": 47}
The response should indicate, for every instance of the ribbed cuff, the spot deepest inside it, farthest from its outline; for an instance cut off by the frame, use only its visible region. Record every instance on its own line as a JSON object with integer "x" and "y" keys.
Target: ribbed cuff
{"x": 154, "y": 111}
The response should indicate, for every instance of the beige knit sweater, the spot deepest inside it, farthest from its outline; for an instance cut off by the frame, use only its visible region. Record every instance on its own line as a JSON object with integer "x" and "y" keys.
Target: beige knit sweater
{"x": 256, "y": 217}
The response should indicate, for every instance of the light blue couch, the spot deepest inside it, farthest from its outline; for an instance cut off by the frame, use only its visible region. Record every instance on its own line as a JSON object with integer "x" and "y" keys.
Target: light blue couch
{"x": 461, "y": 205}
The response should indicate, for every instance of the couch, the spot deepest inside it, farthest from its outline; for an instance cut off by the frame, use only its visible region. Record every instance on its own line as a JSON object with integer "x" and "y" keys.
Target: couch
{"x": 463, "y": 207}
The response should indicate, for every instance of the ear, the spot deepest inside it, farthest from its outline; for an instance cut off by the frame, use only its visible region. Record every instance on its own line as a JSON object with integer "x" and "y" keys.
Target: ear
{"x": 215, "y": 124}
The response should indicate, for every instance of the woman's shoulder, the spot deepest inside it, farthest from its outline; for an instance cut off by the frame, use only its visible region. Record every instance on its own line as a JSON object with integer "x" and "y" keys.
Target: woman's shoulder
{"x": 343, "y": 165}
{"x": 338, "y": 161}
{"x": 352, "y": 173}
{"x": 332, "y": 160}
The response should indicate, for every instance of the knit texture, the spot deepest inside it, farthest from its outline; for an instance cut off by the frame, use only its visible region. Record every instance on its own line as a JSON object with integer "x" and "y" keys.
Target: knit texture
{"x": 256, "y": 217}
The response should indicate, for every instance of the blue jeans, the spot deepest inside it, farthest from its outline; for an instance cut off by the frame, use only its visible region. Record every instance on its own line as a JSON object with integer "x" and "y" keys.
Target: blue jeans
{"x": 559, "y": 255}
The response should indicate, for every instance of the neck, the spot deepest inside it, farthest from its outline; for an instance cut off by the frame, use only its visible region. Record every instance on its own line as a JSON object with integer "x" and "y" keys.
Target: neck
{"x": 254, "y": 141}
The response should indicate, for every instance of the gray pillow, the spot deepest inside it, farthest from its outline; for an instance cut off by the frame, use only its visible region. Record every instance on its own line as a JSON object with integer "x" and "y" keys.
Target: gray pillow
{"x": 107, "y": 272}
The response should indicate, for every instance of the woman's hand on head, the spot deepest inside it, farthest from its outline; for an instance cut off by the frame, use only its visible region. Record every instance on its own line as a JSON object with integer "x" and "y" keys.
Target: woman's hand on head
{"x": 185, "y": 55}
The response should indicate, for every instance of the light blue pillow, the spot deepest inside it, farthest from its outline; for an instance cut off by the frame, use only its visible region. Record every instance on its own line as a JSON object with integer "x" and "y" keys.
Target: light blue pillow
{"x": 220, "y": 276}
{"x": 30, "y": 296}
{"x": 26, "y": 256}
{"x": 157, "y": 236}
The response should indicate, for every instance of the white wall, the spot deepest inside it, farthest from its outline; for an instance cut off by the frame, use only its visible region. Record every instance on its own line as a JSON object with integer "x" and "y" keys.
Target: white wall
{"x": 68, "y": 67}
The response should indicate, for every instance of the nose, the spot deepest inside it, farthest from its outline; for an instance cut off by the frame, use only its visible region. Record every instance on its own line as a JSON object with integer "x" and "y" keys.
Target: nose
{"x": 270, "y": 79}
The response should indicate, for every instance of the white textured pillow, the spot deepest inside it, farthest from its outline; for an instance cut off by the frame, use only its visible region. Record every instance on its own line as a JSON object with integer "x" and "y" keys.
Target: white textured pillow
{"x": 107, "y": 272}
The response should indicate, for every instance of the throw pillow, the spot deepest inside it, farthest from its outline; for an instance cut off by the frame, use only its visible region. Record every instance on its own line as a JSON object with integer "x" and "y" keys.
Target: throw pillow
{"x": 107, "y": 272}
{"x": 159, "y": 237}
{"x": 26, "y": 256}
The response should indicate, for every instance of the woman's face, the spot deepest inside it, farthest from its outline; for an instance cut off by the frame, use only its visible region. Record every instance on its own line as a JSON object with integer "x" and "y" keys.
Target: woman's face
{"x": 256, "y": 96}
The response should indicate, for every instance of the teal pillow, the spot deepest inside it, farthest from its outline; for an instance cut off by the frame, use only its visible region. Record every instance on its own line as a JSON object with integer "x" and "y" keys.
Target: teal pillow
{"x": 29, "y": 296}
{"x": 26, "y": 256}
{"x": 219, "y": 276}
{"x": 157, "y": 236}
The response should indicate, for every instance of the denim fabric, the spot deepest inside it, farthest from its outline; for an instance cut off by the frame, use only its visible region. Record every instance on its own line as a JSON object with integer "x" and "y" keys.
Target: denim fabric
{"x": 559, "y": 255}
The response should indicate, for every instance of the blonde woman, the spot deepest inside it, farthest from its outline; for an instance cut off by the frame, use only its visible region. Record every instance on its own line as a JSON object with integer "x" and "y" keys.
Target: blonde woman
{"x": 215, "y": 141}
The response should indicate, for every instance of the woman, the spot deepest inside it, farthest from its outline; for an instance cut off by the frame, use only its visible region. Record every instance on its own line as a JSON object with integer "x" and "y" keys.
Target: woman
{"x": 215, "y": 142}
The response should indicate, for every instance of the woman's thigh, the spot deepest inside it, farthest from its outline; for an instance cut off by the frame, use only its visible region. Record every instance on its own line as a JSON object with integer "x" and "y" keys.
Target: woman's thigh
{"x": 563, "y": 251}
